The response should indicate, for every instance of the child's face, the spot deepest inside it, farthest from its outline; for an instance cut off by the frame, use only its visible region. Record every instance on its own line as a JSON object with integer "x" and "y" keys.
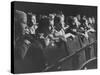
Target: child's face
{"x": 33, "y": 19}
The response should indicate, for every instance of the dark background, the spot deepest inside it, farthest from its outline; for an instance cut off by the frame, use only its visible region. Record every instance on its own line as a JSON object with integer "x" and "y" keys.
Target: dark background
{"x": 45, "y": 8}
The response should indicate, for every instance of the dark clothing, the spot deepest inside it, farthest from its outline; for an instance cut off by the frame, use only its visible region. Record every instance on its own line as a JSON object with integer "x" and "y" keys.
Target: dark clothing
{"x": 43, "y": 27}
{"x": 33, "y": 61}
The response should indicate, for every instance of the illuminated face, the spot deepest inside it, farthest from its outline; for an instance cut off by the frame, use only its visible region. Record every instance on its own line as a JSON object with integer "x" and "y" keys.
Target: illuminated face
{"x": 51, "y": 20}
{"x": 52, "y": 15}
{"x": 90, "y": 20}
{"x": 33, "y": 19}
{"x": 84, "y": 17}
{"x": 93, "y": 20}
{"x": 78, "y": 17}
{"x": 62, "y": 17}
